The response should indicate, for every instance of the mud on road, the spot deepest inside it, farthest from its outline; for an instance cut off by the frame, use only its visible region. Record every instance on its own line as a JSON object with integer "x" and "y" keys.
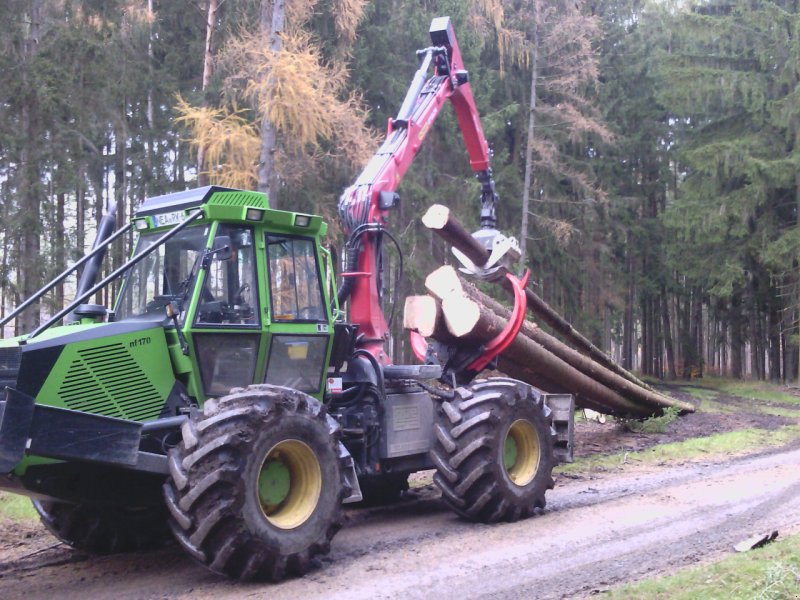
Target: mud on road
{"x": 597, "y": 531}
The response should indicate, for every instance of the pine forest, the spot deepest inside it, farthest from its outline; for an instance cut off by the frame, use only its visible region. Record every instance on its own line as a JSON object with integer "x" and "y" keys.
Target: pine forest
{"x": 646, "y": 152}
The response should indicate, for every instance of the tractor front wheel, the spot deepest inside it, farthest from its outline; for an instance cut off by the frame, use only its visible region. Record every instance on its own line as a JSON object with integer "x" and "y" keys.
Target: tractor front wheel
{"x": 494, "y": 450}
{"x": 256, "y": 485}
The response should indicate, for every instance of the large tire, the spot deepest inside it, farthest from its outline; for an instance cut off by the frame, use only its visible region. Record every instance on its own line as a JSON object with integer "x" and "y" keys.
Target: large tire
{"x": 104, "y": 529}
{"x": 493, "y": 450}
{"x": 256, "y": 485}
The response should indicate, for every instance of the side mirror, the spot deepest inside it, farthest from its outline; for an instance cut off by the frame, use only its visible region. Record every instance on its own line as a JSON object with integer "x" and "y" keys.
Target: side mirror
{"x": 223, "y": 249}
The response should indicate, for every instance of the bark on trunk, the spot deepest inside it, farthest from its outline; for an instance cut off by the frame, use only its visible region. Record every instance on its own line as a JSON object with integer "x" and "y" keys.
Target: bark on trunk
{"x": 30, "y": 188}
{"x": 671, "y": 372}
{"x": 208, "y": 72}
{"x": 272, "y": 23}
{"x": 526, "y": 188}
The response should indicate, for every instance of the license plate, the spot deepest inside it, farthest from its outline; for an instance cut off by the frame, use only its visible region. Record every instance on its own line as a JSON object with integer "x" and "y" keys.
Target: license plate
{"x": 172, "y": 218}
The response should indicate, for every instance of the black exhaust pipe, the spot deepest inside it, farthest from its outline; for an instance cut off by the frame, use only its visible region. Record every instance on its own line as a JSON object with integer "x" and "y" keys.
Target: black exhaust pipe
{"x": 104, "y": 230}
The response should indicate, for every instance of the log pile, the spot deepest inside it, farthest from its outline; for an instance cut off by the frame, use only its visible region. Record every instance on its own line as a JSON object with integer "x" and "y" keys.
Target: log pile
{"x": 455, "y": 310}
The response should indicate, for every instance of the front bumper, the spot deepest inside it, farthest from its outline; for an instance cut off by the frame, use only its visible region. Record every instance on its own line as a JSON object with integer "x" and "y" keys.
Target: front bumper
{"x": 28, "y": 428}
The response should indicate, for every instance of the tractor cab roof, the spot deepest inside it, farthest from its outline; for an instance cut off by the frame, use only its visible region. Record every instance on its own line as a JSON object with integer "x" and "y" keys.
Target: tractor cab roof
{"x": 223, "y": 204}
{"x": 182, "y": 200}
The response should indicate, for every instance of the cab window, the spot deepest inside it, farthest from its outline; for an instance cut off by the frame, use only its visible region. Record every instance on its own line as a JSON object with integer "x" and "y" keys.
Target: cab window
{"x": 228, "y": 295}
{"x": 295, "y": 290}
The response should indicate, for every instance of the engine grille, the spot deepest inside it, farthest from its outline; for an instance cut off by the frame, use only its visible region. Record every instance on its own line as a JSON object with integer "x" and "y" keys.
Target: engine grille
{"x": 107, "y": 381}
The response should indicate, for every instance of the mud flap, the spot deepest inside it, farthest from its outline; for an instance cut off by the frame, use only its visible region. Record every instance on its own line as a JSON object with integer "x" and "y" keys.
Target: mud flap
{"x": 349, "y": 467}
{"x": 563, "y": 411}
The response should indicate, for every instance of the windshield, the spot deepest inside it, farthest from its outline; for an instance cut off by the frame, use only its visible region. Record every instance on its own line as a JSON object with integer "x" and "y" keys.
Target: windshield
{"x": 164, "y": 276}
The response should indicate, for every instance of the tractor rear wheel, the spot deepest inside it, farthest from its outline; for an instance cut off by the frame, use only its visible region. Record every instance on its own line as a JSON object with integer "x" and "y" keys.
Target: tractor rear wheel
{"x": 494, "y": 450}
{"x": 256, "y": 485}
{"x": 104, "y": 529}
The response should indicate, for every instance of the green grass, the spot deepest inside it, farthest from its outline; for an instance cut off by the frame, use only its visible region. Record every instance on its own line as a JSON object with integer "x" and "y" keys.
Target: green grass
{"x": 657, "y": 424}
{"x": 700, "y": 393}
{"x": 757, "y": 390}
{"x": 712, "y": 406}
{"x": 16, "y": 507}
{"x": 767, "y": 573}
{"x": 729, "y": 443}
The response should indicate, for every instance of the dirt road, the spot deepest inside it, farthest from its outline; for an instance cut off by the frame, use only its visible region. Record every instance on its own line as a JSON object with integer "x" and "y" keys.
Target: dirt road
{"x": 596, "y": 532}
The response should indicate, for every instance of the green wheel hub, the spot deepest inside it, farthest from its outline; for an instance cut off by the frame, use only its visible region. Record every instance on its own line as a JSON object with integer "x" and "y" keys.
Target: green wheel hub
{"x": 521, "y": 452}
{"x": 274, "y": 483}
{"x": 510, "y": 453}
{"x": 289, "y": 484}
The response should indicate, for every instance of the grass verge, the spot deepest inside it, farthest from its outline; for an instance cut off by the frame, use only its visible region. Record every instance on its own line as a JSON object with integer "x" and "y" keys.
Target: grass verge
{"x": 728, "y": 444}
{"x": 758, "y": 390}
{"x": 768, "y": 573}
{"x": 16, "y": 507}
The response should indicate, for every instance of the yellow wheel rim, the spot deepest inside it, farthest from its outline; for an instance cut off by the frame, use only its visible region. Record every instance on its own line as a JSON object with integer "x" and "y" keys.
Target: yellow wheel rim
{"x": 521, "y": 452}
{"x": 289, "y": 484}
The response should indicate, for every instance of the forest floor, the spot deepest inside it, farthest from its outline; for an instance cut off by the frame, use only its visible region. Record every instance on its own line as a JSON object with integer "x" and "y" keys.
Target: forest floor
{"x": 631, "y": 507}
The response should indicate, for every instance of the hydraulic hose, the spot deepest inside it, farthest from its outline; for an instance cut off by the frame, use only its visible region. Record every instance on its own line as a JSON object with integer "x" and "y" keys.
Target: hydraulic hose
{"x": 352, "y": 252}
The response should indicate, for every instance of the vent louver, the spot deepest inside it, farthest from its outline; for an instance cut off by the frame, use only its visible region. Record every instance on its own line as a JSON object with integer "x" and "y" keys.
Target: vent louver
{"x": 242, "y": 199}
{"x": 108, "y": 381}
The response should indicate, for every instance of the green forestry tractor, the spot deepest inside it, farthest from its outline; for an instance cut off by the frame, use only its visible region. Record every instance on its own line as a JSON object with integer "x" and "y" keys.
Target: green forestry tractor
{"x": 227, "y": 400}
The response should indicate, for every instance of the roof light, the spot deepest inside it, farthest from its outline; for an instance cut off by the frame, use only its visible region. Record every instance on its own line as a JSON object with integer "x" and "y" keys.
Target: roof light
{"x": 141, "y": 224}
{"x": 254, "y": 214}
{"x": 302, "y": 220}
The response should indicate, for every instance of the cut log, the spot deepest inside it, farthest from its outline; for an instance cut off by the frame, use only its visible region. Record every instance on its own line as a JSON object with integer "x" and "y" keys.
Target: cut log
{"x": 444, "y": 282}
{"x": 572, "y": 357}
{"x": 424, "y": 314}
{"x": 440, "y": 220}
{"x": 541, "y": 363}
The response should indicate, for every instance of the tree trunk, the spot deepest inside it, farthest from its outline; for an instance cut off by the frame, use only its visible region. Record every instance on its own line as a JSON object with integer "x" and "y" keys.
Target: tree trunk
{"x": 526, "y": 187}
{"x": 671, "y": 373}
{"x": 120, "y": 185}
{"x": 627, "y": 319}
{"x": 30, "y": 184}
{"x": 735, "y": 321}
{"x": 272, "y": 23}
{"x": 697, "y": 331}
{"x": 774, "y": 333}
{"x": 59, "y": 248}
{"x": 208, "y": 72}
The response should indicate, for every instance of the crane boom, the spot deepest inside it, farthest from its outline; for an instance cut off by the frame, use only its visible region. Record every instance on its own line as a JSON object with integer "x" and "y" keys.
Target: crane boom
{"x": 364, "y": 207}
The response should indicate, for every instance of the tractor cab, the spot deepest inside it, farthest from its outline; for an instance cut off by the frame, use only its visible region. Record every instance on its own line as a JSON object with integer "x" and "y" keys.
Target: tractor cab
{"x": 242, "y": 291}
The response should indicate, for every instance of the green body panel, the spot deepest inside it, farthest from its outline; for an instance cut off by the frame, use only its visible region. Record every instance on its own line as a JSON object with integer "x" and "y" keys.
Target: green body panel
{"x": 127, "y": 376}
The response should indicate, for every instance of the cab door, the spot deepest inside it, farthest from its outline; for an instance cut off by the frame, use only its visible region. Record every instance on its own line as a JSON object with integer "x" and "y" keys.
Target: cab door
{"x": 299, "y": 344}
{"x": 226, "y": 328}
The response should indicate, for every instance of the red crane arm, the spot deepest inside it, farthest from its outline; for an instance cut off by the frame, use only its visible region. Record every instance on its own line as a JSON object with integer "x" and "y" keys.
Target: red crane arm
{"x": 364, "y": 207}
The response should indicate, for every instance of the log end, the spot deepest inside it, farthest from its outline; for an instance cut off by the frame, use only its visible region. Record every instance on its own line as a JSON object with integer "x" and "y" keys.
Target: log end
{"x": 436, "y": 217}
{"x": 461, "y": 315}
{"x": 444, "y": 282}
{"x": 420, "y": 313}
